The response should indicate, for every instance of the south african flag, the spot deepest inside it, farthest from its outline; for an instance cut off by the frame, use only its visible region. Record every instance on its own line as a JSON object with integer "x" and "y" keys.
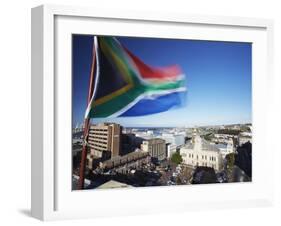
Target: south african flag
{"x": 125, "y": 86}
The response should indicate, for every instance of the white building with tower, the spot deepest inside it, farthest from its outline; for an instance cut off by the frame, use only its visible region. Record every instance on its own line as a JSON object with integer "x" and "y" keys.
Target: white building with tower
{"x": 199, "y": 152}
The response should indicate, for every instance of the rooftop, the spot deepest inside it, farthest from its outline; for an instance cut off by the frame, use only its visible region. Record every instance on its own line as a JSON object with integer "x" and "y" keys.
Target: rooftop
{"x": 113, "y": 184}
{"x": 129, "y": 157}
{"x": 205, "y": 145}
{"x": 221, "y": 145}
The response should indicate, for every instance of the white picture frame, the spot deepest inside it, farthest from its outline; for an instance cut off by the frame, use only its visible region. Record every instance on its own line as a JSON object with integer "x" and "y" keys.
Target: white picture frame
{"x": 52, "y": 197}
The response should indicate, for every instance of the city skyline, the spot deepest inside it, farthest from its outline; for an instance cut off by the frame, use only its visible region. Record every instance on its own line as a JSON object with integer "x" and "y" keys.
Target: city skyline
{"x": 218, "y": 80}
{"x": 163, "y": 156}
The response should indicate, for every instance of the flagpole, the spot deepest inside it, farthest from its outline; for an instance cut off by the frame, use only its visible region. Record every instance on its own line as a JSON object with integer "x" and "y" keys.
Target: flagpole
{"x": 87, "y": 124}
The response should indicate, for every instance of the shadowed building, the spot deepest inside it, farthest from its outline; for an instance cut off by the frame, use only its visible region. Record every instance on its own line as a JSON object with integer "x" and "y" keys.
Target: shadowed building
{"x": 123, "y": 164}
{"x": 156, "y": 148}
{"x": 130, "y": 142}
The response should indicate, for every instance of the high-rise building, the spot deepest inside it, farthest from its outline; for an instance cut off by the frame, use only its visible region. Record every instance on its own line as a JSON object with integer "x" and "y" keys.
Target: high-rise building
{"x": 104, "y": 141}
{"x": 156, "y": 148}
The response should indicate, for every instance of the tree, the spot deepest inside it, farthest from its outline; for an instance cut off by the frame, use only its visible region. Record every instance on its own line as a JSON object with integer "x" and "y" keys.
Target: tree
{"x": 230, "y": 161}
{"x": 208, "y": 136}
{"x": 176, "y": 158}
{"x": 243, "y": 159}
{"x": 230, "y": 158}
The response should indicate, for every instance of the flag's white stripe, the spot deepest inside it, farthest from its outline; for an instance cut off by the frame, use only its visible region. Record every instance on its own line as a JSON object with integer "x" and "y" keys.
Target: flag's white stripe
{"x": 147, "y": 95}
{"x": 97, "y": 75}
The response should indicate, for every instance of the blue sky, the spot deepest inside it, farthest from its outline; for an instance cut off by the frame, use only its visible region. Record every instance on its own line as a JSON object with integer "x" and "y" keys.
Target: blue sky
{"x": 219, "y": 79}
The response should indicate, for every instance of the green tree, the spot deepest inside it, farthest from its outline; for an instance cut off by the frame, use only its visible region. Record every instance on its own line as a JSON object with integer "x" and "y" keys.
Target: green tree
{"x": 176, "y": 158}
{"x": 208, "y": 136}
{"x": 230, "y": 160}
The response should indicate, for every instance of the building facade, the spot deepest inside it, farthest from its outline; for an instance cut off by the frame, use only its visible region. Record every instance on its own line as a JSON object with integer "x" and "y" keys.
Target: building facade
{"x": 171, "y": 149}
{"x": 199, "y": 152}
{"x": 156, "y": 147}
{"x": 123, "y": 164}
{"x": 103, "y": 141}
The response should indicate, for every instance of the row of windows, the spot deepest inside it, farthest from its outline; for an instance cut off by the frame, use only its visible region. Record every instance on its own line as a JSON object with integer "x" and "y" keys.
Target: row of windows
{"x": 212, "y": 158}
{"x": 98, "y": 141}
{"x": 97, "y": 138}
{"x": 203, "y": 164}
{"x": 100, "y": 147}
{"x": 94, "y": 129}
{"x": 98, "y": 134}
{"x": 156, "y": 150}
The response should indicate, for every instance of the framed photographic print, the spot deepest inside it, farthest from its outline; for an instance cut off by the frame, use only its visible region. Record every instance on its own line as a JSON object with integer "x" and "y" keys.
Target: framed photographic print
{"x": 148, "y": 112}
